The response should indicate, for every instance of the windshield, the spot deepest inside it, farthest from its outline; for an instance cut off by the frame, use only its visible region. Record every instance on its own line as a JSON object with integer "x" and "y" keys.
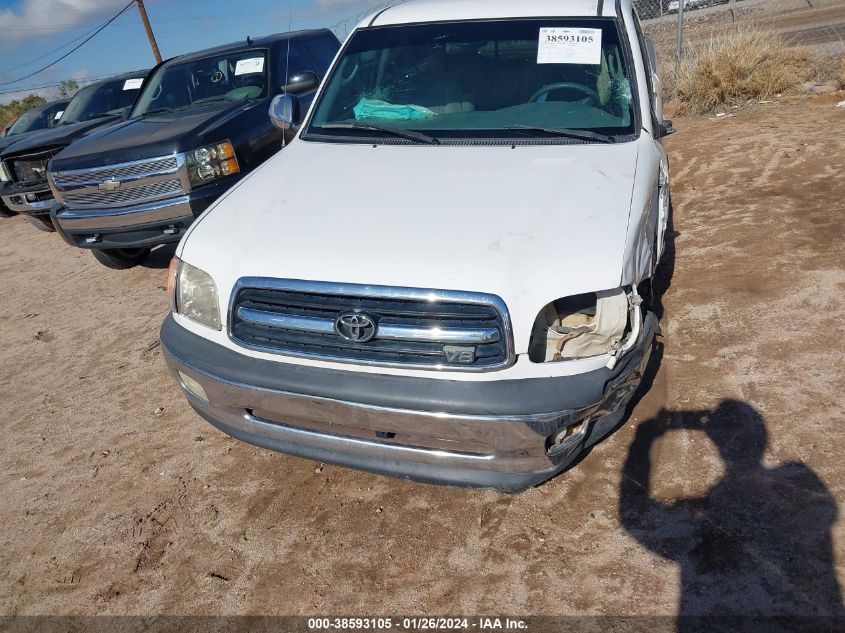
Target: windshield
{"x": 496, "y": 79}
{"x": 102, "y": 100}
{"x": 232, "y": 76}
{"x": 36, "y": 119}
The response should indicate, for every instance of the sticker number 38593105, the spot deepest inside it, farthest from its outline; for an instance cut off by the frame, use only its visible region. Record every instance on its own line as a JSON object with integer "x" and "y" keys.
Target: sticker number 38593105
{"x": 569, "y": 46}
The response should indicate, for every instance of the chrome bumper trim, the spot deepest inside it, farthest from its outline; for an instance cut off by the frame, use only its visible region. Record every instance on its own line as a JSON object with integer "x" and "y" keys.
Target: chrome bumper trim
{"x": 505, "y": 444}
{"x": 463, "y": 443}
{"x": 28, "y": 207}
{"x": 94, "y": 219}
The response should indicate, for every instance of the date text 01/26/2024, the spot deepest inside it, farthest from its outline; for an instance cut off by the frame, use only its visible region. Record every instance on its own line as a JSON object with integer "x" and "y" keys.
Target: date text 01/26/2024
{"x": 417, "y": 624}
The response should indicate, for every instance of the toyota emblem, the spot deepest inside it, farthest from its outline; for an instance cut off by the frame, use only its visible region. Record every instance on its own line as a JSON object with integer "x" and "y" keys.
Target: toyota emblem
{"x": 356, "y": 327}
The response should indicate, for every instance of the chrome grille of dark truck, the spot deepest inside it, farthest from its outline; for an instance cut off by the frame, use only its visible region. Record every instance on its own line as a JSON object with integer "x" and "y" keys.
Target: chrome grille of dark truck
{"x": 426, "y": 329}
{"x": 137, "y": 194}
{"x": 121, "y": 185}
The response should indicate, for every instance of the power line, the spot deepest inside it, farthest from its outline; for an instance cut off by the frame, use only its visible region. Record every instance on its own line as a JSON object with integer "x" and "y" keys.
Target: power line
{"x": 73, "y": 50}
{"x": 82, "y": 82}
{"x": 47, "y": 54}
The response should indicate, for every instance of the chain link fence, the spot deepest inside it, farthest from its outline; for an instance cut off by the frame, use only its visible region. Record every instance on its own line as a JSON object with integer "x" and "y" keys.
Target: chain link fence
{"x": 818, "y": 25}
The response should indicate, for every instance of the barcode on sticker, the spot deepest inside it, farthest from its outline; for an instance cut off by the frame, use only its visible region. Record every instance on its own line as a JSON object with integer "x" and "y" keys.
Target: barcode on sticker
{"x": 569, "y": 46}
{"x": 133, "y": 84}
{"x": 247, "y": 66}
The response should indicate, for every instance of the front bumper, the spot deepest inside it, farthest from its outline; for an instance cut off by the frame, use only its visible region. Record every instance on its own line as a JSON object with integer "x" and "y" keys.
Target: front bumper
{"x": 33, "y": 201}
{"x": 470, "y": 433}
{"x": 138, "y": 226}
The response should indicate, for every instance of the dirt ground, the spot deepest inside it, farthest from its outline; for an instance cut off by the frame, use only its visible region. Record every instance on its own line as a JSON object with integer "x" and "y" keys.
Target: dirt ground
{"x": 720, "y": 494}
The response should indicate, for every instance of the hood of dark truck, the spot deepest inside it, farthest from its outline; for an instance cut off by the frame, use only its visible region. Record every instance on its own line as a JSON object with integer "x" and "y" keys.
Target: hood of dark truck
{"x": 8, "y": 141}
{"x": 159, "y": 135}
{"x": 59, "y": 136}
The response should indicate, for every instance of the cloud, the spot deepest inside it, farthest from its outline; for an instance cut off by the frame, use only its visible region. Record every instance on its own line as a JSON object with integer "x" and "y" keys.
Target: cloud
{"x": 47, "y": 17}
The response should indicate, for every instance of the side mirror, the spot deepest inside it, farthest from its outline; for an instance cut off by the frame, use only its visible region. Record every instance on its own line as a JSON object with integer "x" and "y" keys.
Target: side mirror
{"x": 666, "y": 128}
{"x": 284, "y": 111}
{"x": 302, "y": 82}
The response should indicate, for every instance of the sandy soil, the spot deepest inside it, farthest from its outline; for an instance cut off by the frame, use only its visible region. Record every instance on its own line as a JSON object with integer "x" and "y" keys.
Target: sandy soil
{"x": 116, "y": 498}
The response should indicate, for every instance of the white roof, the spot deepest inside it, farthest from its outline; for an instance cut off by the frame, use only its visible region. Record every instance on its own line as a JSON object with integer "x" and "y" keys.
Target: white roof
{"x": 454, "y": 10}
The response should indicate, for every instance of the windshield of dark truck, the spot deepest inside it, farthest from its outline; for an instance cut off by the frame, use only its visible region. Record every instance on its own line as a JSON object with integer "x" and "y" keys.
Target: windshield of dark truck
{"x": 39, "y": 118}
{"x": 102, "y": 100}
{"x": 489, "y": 79}
{"x": 234, "y": 76}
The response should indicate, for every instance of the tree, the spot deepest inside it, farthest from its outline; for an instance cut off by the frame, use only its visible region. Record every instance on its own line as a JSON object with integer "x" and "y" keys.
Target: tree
{"x": 17, "y": 107}
{"x": 68, "y": 88}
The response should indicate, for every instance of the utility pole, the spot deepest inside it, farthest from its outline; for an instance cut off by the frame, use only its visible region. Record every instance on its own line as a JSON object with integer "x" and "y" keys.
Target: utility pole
{"x": 153, "y": 44}
{"x": 679, "y": 37}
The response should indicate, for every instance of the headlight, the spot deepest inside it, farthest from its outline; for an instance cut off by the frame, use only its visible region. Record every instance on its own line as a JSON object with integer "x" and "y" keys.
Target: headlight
{"x": 581, "y": 326}
{"x": 4, "y": 173}
{"x": 207, "y": 164}
{"x": 194, "y": 294}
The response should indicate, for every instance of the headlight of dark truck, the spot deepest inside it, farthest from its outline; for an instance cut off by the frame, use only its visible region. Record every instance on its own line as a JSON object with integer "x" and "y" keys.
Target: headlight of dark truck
{"x": 212, "y": 162}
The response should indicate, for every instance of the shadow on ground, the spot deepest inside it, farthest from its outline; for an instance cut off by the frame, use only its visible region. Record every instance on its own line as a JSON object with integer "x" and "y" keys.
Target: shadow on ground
{"x": 758, "y": 543}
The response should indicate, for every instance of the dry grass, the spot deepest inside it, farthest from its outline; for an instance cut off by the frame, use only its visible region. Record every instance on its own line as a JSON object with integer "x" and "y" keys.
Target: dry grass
{"x": 842, "y": 72}
{"x": 739, "y": 65}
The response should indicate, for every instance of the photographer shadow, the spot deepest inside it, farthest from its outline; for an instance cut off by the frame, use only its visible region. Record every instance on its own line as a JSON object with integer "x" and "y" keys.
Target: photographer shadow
{"x": 756, "y": 546}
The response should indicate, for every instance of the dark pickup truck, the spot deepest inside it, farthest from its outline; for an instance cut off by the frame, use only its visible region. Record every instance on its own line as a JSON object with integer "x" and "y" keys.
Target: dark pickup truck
{"x": 201, "y": 123}
{"x": 25, "y": 162}
{"x": 34, "y": 120}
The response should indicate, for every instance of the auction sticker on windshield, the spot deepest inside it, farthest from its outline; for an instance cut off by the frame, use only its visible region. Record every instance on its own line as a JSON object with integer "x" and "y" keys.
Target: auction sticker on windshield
{"x": 251, "y": 65}
{"x": 569, "y": 46}
{"x": 133, "y": 84}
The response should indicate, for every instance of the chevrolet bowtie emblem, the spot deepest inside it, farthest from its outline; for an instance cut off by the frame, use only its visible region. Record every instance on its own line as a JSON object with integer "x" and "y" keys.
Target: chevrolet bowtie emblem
{"x": 112, "y": 184}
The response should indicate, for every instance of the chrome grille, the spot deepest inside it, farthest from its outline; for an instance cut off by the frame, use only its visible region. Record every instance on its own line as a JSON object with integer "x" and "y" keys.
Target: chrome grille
{"x": 122, "y": 185}
{"x": 134, "y": 170}
{"x": 121, "y": 197}
{"x": 412, "y": 328}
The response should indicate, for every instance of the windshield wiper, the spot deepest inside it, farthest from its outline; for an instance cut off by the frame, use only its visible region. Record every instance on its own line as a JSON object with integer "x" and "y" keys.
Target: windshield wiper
{"x": 202, "y": 102}
{"x": 408, "y": 134}
{"x": 156, "y": 111}
{"x": 582, "y": 135}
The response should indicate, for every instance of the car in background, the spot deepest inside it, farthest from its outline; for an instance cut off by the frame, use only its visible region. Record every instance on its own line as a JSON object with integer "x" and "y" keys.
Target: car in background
{"x": 200, "y": 125}
{"x": 33, "y": 120}
{"x": 24, "y": 163}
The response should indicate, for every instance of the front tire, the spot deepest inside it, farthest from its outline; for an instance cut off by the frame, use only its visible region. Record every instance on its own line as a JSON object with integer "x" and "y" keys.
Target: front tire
{"x": 5, "y": 212}
{"x": 121, "y": 258}
{"x": 42, "y": 223}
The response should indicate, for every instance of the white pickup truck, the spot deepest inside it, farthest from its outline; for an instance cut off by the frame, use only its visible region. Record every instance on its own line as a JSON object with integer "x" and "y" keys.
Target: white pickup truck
{"x": 445, "y": 276}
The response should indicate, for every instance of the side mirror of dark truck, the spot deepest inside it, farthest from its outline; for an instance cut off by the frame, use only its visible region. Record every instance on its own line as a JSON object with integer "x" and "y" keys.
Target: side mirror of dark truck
{"x": 284, "y": 111}
{"x": 302, "y": 82}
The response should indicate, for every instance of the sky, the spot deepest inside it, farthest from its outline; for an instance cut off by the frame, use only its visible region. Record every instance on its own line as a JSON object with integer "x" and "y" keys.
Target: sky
{"x": 34, "y": 33}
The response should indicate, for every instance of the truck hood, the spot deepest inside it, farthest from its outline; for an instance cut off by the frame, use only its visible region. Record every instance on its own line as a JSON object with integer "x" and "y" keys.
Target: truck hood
{"x": 158, "y": 135}
{"x": 530, "y": 224}
{"x": 62, "y": 135}
{"x": 8, "y": 141}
